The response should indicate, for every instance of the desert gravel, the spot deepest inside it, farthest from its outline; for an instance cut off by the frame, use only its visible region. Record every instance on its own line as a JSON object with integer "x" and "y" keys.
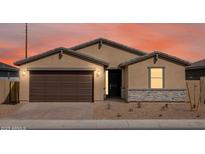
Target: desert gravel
{"x": 121, "y": 110}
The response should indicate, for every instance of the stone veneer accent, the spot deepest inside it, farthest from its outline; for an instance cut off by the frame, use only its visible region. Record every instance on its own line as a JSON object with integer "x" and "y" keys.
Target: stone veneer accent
{"x": 148, "y": 95}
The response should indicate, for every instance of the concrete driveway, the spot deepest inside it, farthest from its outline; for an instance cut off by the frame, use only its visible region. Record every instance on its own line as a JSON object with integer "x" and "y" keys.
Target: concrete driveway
{"x": 53, "y": 111}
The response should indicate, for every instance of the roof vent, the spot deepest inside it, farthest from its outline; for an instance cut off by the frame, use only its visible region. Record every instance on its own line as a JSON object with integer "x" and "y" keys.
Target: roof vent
{"x": 100, "y": 44}
{"x": 60, "y": 54}
{"x": 156, "y": 57}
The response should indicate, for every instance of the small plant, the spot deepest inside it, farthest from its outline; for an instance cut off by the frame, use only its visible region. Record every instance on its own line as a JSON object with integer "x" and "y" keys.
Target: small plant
{"x": 160, "y": 115}
{"x": 139, "y": 105}
{"x": 162, "y": 108}
{"x": 119, "y": 115}
{"x": 198, "y": 116}
{"x": 108, "y": 106}
{"x": 131, "y": 110}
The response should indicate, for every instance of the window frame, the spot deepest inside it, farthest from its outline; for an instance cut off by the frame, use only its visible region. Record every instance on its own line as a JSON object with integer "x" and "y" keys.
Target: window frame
{"x": 163, "y": 77}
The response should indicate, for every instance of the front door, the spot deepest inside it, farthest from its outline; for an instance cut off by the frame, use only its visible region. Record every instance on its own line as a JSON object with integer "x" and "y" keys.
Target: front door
{"x": 114, "y": 80}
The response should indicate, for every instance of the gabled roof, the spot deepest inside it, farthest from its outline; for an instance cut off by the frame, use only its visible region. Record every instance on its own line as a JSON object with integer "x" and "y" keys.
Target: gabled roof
{"x": 109, "y": 43}
{"x": 59, "y": 50}
{"x": 156, "y": 54}
{"x": 6, "y": 67}
{"x": 197, "y": 65}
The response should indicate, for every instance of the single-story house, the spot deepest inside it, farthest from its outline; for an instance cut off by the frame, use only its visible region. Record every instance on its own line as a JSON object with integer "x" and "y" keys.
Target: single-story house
{"x": 8, "y": 72}
{"x": 101, "y": 69}
{"x": 196, "y": 70}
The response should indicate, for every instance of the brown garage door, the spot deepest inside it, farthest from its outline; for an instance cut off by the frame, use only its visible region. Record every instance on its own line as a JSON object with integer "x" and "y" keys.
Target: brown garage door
{"x": 61, "y": 86}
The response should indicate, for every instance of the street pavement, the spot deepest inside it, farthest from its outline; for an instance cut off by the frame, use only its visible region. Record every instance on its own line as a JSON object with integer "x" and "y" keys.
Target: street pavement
{"x": 100, "y": 124}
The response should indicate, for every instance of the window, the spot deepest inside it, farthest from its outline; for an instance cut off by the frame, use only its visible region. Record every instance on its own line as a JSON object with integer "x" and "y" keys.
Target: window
{"x": 156, "y": 78}
{"x": 106, "y": 82}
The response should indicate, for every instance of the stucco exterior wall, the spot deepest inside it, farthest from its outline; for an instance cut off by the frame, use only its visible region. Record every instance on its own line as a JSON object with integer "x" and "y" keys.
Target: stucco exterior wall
{"x": 137, "y": 82}
{"x": 67, "y": 61}
{"x": 126, "y": 77}
{"x": 174, "y": 75}
{"x": 109, "y": 54}
{"x": 124, "y": 87}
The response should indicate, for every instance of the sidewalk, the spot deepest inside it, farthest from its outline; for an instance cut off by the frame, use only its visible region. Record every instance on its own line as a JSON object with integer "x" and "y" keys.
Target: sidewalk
{"x": 102, "y": 124}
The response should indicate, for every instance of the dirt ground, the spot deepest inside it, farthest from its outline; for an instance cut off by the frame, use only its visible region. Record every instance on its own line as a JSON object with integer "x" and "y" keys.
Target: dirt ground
{"x": 121, "y": 110}
{"x": 6, "y": 109}
{"x": 108, "y": 110}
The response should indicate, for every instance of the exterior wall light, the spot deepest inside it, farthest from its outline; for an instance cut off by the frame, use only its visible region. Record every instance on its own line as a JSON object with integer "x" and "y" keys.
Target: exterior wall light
{"x": 98, "y": 73}
{"x": 24, "y": 73}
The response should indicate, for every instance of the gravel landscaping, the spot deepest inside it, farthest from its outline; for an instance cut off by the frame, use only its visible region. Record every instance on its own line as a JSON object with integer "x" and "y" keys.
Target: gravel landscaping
{"x": 106, "y": 110}
{"x": 121, "y": 110}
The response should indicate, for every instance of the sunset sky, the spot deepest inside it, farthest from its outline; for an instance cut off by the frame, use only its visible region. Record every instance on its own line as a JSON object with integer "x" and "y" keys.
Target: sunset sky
{"x": 186, "y": 41}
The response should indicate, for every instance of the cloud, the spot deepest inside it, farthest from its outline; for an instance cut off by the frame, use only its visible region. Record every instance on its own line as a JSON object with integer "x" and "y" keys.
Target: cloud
{"x": 183, "y": 40}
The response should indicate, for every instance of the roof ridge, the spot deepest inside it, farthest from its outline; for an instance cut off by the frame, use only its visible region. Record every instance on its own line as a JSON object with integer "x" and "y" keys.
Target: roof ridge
{"x": 37, "y": 55}
{"x": 160, "y": 52}
{"x": 111, "y": 43}
{"x": 56, "y": 50}
{"x": 164, "y": 55}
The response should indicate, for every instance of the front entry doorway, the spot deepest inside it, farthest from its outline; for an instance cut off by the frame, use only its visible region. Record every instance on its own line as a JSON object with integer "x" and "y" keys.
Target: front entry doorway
{"x": 114, "y": 83}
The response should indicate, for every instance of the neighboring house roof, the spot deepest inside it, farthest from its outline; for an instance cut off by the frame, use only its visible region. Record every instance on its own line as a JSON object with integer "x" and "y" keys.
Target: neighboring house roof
{"x": 197, "y": 65}
{"x": 6, "y": 67}
{"x": 59, "y": 50}
{"x": 155, "y": 54}
{"x": 109, "y": 43}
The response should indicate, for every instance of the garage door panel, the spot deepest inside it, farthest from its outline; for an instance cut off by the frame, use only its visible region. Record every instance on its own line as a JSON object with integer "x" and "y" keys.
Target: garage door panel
{"x": 84, "y": 91}
{"x": 83, "y": 98}
{"x": 85, "y": 86}
{"x": 61, "y": 86}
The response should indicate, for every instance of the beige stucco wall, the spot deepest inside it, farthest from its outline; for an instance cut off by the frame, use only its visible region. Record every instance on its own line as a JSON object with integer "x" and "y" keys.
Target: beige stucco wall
{"x": 67, "y": 61}
{"x": 109, "y": 54}
{"x": 124, "y": 86}
{"x": 138, "y": 76}
{"x": 125, "y": 83}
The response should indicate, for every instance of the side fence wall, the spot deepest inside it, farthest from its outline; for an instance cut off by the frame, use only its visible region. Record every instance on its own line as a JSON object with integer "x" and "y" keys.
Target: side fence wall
{"x": 195, "y": 87}
{"x": 9, "y": 92}
{"x": 203, "y": 89}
